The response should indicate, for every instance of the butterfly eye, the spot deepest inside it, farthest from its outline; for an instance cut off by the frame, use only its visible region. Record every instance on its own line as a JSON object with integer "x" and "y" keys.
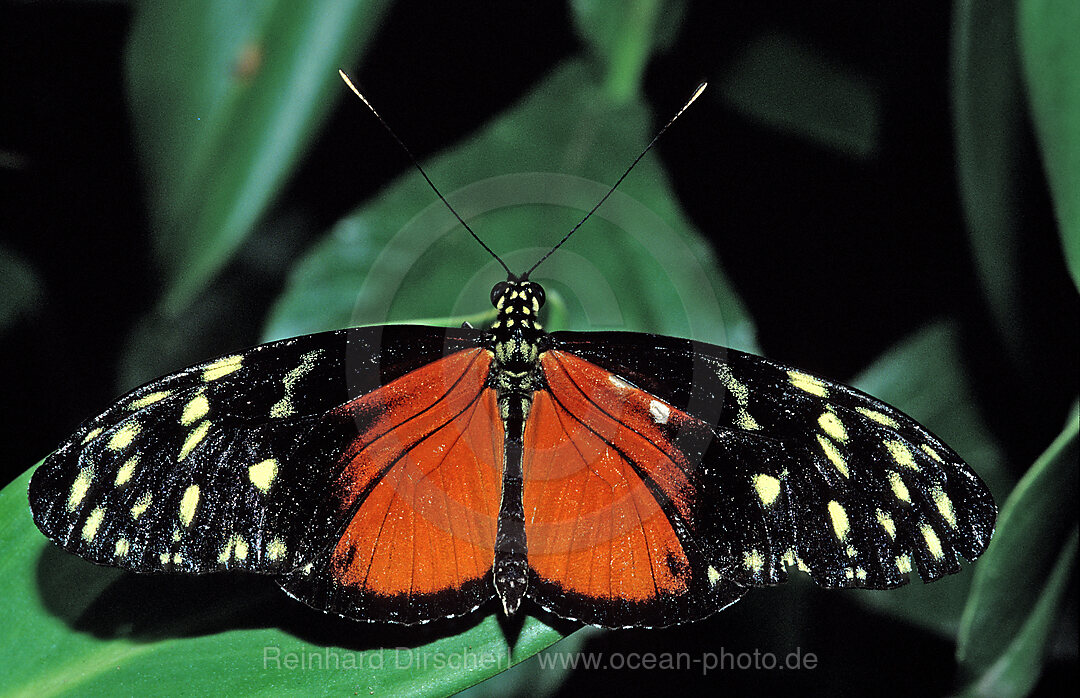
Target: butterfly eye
{"x": 538, "y": 293}
{"x": 497, "y": 291}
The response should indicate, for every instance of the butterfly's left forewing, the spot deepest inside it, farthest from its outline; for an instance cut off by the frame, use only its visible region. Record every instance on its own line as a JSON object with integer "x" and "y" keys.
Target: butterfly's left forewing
{"x": 228, "y": 464}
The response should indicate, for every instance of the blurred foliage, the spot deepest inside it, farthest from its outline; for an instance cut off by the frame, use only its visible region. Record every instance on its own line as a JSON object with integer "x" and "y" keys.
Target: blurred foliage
{"x": 249, "y": 86}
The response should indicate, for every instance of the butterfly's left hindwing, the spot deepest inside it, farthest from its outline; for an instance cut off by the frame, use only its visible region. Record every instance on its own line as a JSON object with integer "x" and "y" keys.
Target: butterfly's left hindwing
{"x": 224, "y": 465}
{"x": 804, "y": 471}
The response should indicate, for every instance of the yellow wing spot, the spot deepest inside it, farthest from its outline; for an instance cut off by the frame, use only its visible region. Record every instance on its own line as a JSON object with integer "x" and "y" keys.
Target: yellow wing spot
{"x": 901, "y": 454}
{"x": 141, "y": 505}
{"x": 123, "y": 475}
{"x": 176, "y": 535}
{"x": 831, "y": 425}
{"x": 754, "y": 561}
{"x": 887, "y": 523}
{"x": 122, "y": 548}
{"x": 262, "y": 474}
{"x": 79, "y": 488}
{"x": 944, "y": 504}
{"x": 164, "y": 557}
{"x": 767, "y": 487}
{"x": 177, "y": 558}
{"x": 275, "y": 550}
{"x": 898, "y": 487}
{"x": 188, "y": 504}
{"x": 807, "y": 383}
{"x": 849, "y": 573}
{"x": 195, "y": 410}
{"x": 851, "y": 551}
{"x": 123, "y": 436}
{"x": 284, "y": 407}
{"x": 833, "y": 454}
{"x": 932, "y": 453}
{"x": 903, "y": 563}
{"x": 878, "y": 417}
{"x": 860, "y": 574}
{"x": 90, "y": 528}
{"x": 839, "y": 519}
{"x": 222, "y": 367}
{"x": 92, "y": 434}
{"x": 746, "y": 421}
{"x": 149, "y": 399}
{"x": 193, "y": 438}
{"x": 659, "y": 412}
{"x": 714, "y": 575}
{"x": 933, "y": 543}
{"x": 235, "y": 547}
{"x": 789, "y": 557}
{"x": 802, "y": 565}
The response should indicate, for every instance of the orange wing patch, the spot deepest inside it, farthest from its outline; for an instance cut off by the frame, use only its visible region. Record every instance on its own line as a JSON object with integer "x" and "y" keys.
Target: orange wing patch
{"x": 429, "y": 480}
{"x": 593, "y": 524}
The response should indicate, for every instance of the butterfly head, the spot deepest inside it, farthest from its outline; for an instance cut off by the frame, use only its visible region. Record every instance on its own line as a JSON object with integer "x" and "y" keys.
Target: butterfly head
{"x": 518, "y": 302}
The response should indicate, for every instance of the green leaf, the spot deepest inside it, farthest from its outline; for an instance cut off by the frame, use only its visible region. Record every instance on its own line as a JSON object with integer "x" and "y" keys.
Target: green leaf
{"x": 988, "y": 112}
{"x": 1021, "y": 581}
{"x": 623, "y": 35}
{"x": 20, "y": 288}
{"x": 225, "y": 95}
{"x": 78, "y": 629}
{"x": 522, "y": 183}
{"x": 1050, "y": 55}
{"x": 790, "y": 87}
{"x": 924, "y": 377}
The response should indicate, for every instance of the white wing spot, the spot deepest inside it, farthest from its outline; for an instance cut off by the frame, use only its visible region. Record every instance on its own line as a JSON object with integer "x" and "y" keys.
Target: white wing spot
{"x": 903, "y": 563}
{"x": 932, "y": 453}
{"x": 839, "y": 519}
{"x": 262, "y": 474}
{"x": 860, "y": 573}
{"x": 188, "y": 504}
{"x": 92, "y": 434}
{"x": 275, "y": 550}
{"x": 745, "y": 421}
{"x": 619, "y": 382}
{"x": 714, "y": 575}
{"x": 659, "y": 412}
{"x": 122, "y": 547}
{"x": 90, "y": 528}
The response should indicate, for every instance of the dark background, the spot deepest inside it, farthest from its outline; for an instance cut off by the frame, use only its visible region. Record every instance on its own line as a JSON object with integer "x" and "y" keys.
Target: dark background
{"x": 857, "y": 254}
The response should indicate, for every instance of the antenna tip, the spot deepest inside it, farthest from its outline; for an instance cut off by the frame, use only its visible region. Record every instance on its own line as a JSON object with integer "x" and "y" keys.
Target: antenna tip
{"x": 697, "y": 92}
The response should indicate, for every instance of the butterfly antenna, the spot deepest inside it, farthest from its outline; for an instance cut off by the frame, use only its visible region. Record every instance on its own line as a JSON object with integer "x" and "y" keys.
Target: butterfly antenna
{"x": 416, "y": 163}
{"x": 697, "y": 93}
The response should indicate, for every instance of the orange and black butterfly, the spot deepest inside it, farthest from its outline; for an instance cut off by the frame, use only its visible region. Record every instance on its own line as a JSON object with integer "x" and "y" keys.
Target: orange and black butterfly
{"x": 408, "y": 473}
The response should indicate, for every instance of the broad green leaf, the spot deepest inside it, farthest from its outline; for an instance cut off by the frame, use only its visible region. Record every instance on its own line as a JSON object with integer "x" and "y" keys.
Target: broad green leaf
{"x": 1020, "y": 583}
{"x": 521, "y": 183}
{"x": 20, "y": 288}
{"x": 225, "y": 96}
{"x": 924, "y": 377}
{"x": 623, "y": 35}
{"x": 73, "y": 628}
{"x": 1050, "y": 55}
{"x": 788, "y": 86}
{"x": 988, "y": 112}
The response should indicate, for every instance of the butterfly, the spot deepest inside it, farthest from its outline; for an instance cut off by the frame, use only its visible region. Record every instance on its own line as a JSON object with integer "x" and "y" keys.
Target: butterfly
{"x": 405, "y": 474}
